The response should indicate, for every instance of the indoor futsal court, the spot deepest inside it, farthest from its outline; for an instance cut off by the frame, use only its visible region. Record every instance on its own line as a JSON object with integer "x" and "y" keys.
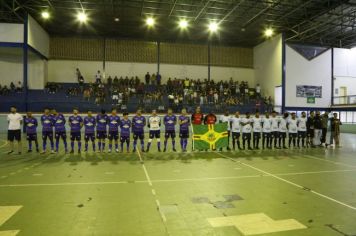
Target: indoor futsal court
{"x": 177, "y": 117}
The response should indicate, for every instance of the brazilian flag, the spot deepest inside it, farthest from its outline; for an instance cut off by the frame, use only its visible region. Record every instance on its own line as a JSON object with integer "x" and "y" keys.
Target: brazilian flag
{"x": 210, "y": 136}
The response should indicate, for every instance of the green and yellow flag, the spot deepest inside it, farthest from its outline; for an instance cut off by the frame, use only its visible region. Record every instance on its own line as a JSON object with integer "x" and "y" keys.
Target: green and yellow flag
{"x": 210, "y": 136}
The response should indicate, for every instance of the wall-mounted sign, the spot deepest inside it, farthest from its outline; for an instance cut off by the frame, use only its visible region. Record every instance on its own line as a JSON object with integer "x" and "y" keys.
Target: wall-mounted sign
{"x": 311, "y": 100}
{"x": 306, "y": 91}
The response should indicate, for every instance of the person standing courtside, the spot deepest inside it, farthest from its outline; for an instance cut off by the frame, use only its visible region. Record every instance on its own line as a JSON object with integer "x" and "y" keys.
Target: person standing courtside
{"x": 324, "y": 128}
{"x": 76, "y": 124}
{"x": 235, "y": 126}
{"x": 197, "y": 117}
{"x": 14, "y": 120}
{"x": 47, "y": 130}
{"x": 257, "y": 129}
{"x": 275, "y": 129}
{"x": 335, "y": 130}
{"x": 310, "y": 129}
{"x": 31, "y": 131}
{"x": 246, "y": 131}
{"x": 226, "y": 118}
{"x": 317, "y": 129}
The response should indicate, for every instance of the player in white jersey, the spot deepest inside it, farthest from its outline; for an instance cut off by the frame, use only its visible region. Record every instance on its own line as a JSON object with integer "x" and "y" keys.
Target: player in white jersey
{"x": 266, "y": 131}
{"x": 282, "y": 131}
{"x": 246, "y": 124}
{"x": 226, "y": 119}
{"x": 292, "y": 130}
{"x": 275, "y": 129}
{"x": 154, "y": 124}
{"x": 302, "y": 129}
{"x": 236, "y": 129}
{"x": 257, "y": 128}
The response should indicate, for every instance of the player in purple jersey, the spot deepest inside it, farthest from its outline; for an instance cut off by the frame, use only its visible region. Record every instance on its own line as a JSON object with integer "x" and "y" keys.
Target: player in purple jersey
{"x": 184, "y": 123}
{"x": 31, "y": 131}
{"x": 75, "y": 123}
{"x": 60, "y": 129}
{"x": 125, "y": 126}
{"x": 89, "y": 133}
{"x": 114, "y": 122}
{"x": 47, "y": 130}
{"x": 170, "y": 121}
{"x": 138, "y": 126}
{"x": 101, "y": 129}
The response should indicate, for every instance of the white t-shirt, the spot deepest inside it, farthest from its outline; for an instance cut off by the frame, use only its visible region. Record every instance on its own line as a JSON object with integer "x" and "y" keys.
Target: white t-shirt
{"x": 282, "y": 125}
{"x": 246, "y": 128}
{"x": 154, "y": 122}
{"x": 14, "y": 121}
{"x": 224, "y": 119}
{"x": 235, "y": 124}
{"x": 292, "y": 126}
{"x": 257, "y": 127}
{"x": 302, "y": 124}
{"x": 267, "y": 125}
{"x": 275, "y": 121}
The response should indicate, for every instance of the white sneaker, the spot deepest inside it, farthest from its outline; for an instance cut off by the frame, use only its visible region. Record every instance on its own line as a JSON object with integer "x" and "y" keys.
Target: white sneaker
{"x": 117, "y": 150}
{"x": 53, "y": 152}
{"x": 109, "y": 151}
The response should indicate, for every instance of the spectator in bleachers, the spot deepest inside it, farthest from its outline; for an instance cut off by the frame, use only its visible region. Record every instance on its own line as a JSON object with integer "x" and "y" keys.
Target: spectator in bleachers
{"x": 78, "y": 73}
{"x": 158, "y": 79}
{"x": 258, "y": 91}
{"x": 153, "y": 79}
{"x": 98, "y": 77}
{"x": 12, "y": 87}
{"x": 147, "y": 78}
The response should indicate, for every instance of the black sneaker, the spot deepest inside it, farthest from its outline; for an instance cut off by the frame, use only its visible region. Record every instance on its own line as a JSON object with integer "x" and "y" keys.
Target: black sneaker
{"x": 29, "y": 151}
{"x": 164, "y": 150}
{"x": 71, "y": 151}
{"x": 10, "y": 152}
{"x": 174, "y": 150}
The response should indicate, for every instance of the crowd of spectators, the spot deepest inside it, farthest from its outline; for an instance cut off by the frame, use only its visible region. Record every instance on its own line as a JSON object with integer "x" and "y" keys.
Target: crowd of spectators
{"x": 12, "y": 88}
{"x": 176, "y": 93}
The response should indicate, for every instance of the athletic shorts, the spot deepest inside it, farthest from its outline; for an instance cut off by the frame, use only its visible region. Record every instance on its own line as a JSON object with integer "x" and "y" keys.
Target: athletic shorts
{"x": 31, "y": 137}
{"x": 256, "y": 135}
{"x": 125, "y": 138}
{"x": 267, "y": 134}
{"x": 184, "y": 134}
{"x": 60, "y": 134}
{"x": 75, "y": 136}
{"x": 293, "y": 135}
{"x": 275, "y": 134}
{"x": 246, "y": 136}
{"x": 90, "y": 136}
{"x": 310, "y": 133}
{"x": 14, "y": 135}
{"x": 113, "y": 135}
{"x": 101, "y": 134}
{"x": 155, "y": 134}
{"x": 282, "y": 134}
{"x": 302, "y": 134}
{"x": 170, "y": 133}
{"x": 138, "y": 135}
{"x": 47, "y": 134}
{"x": 235, "y": 135}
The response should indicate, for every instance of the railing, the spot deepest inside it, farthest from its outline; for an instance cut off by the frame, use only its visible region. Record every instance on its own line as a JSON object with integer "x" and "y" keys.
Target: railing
{"x": 345, "y": 100}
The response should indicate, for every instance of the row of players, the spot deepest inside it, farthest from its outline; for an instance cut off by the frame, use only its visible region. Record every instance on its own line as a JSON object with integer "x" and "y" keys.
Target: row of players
{"x": 272, "y": 130}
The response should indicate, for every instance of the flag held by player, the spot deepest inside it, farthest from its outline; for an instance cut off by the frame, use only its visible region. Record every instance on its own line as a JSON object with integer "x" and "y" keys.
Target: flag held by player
{"x": 210, "y": 136}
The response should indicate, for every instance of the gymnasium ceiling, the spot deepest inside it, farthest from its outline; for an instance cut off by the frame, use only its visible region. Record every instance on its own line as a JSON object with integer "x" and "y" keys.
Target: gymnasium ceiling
{"x": 242, "y": 22}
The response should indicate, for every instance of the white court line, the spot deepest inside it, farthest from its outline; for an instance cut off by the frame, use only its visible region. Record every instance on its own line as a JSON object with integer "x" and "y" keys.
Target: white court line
{"x": 144, "y": 168}
{"x": 174, "y": 180}
{"x": 333, "y": 162}
{"x": 288, "y": 182}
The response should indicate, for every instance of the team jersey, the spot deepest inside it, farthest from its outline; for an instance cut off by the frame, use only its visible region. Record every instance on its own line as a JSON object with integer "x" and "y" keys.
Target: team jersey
{"x": 275, "y": 121}
{"x": 59, "y": 123}
{"x": 257, "y": 126}
{"x": 246, "y": 128}
{"x": 47, "y": 122}
{"x": 170, "y": 122}
{"x": 302, "y": 124}
{"x": 89, "y": 124}
{"x": 125, "y": 126}
{"x": 101, "y": 122}
{"x": 31, "y": 125}
{"x": 138, "y": 123}
{"x": 292, "y": 126}
{"x": 210, "y": 119}
{"x": 235, "y": 124}
{"x": 114, "y": 123}
{"x": 154, "y": 123}
{"x": 75, "y": 123}
{"x": 267, "y": 125}
{"x": 282, "y": 127}
{"x": 226, "y": 119}
{"x": 197, "y": 118}
{"x": 184, "y": 126}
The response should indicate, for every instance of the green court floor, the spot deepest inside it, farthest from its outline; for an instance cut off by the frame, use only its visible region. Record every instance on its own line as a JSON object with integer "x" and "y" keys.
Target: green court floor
{"x": 283, "y": 192}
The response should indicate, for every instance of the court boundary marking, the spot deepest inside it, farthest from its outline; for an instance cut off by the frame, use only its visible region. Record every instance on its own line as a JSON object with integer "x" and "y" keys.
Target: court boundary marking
{"x": 172, "y": 180}
{"x": 289, "y": 182}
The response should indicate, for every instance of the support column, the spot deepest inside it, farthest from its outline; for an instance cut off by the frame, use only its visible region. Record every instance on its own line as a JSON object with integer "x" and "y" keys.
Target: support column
{"x": 158, "y": 56}
{"x": 25, "y": 61}
{"x": 104, "y": 59}
{"x": 283, "y": 74}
